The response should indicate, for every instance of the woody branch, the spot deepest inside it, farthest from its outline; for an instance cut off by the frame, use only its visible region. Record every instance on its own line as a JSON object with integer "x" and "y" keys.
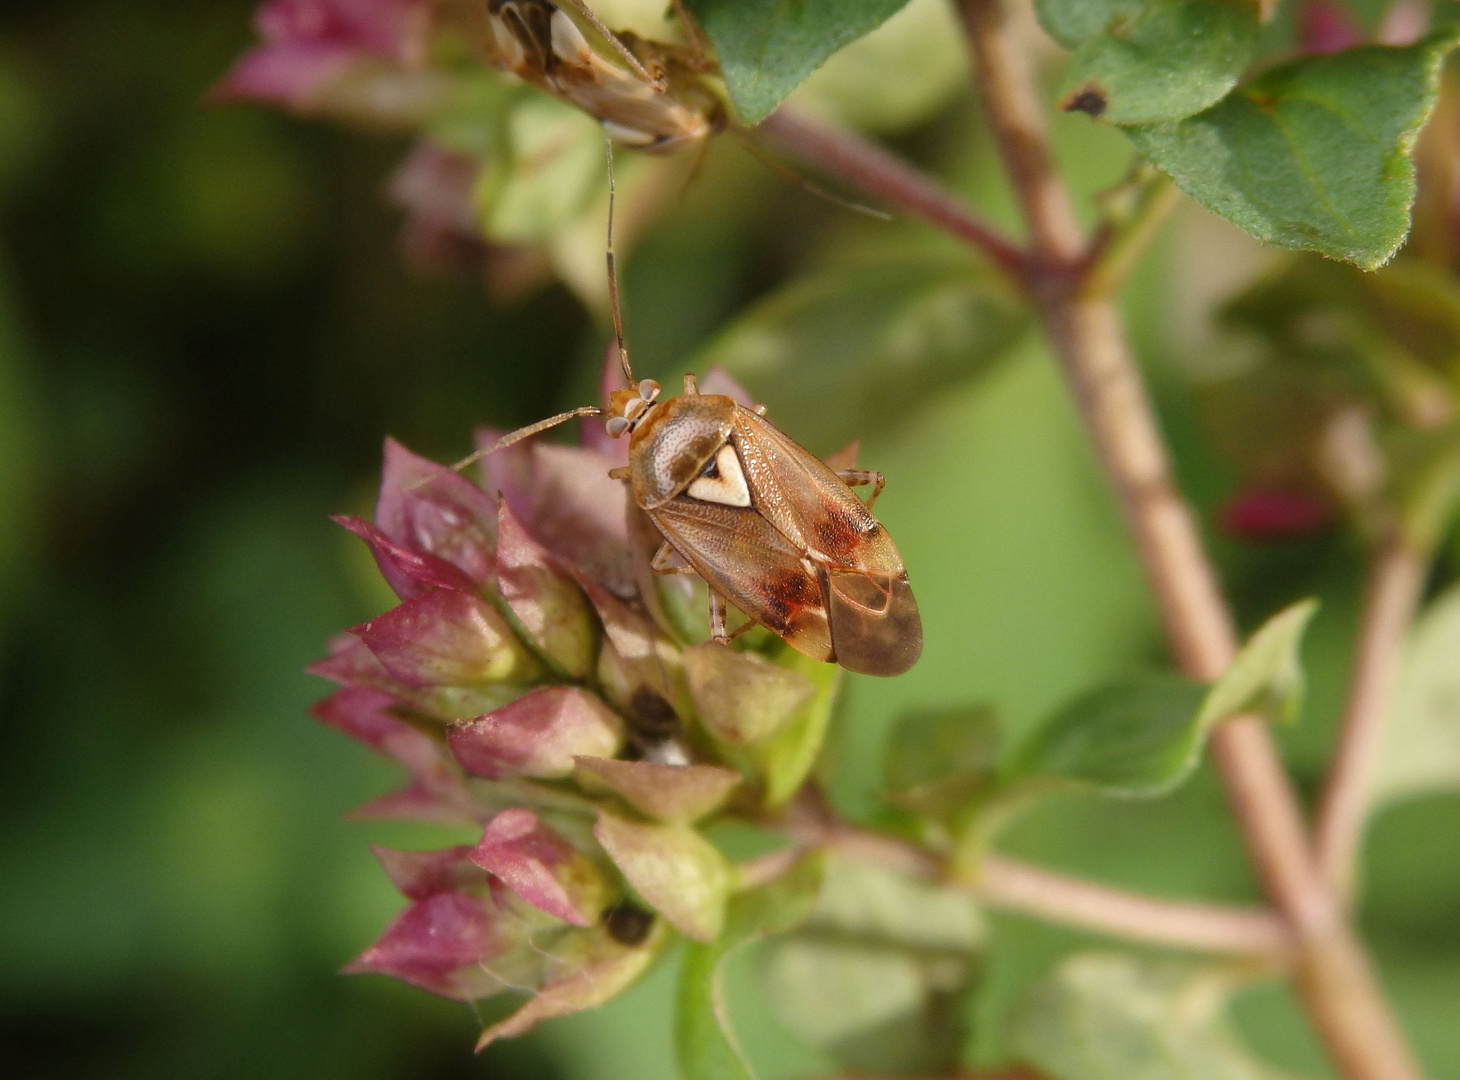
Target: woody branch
{"x": 1333, "y": 974}
{"x": 1396, "y": 580}
{"x": 1334, "y": 977}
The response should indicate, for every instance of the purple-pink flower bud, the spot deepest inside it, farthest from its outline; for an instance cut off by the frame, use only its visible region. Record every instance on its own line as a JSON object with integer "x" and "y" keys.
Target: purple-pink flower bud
{"x": 427, "y": 508}
{"x": 537, "y": 735}
{"x": 309, "y": 44}
{"x": 1274, "y": 515}
{"x": 541, "y": 867}
{"x": 444, "y": 637}
{"x": 439, "y": 944}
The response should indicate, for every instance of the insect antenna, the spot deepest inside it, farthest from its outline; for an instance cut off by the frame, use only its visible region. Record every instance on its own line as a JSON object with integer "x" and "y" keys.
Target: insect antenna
{"x": 618, "y": 318}
{"x": 791, "y": 175}
{"x": 515, "y": 437}
{"x": 657, "y": 82}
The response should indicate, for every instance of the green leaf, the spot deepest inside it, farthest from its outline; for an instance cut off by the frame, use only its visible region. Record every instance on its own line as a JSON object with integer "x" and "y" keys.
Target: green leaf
{"x": 1314, "y": 153}
{"x": 1137, "y": 738}
{"x": 549, "y": 177}
{"x": 1145, "y": 61}
{"x": 767, "y": 47}
{"x": 936, "y": 763}
{"x": 1109, "y": 1016}
{"x": 677, "y": 871}
{"x": 743, "y": 700}
{"x": 1143, "y": 736}
{"x": 896, "y": 77}
{"x": 1267, "y": 675}
{"x": 1421, "y": 750}
{"x": 845, "y": 351}
{"x": 881, "y": 974}
{"x": 790, "y": 756}
{"x": 704, "y": 1041}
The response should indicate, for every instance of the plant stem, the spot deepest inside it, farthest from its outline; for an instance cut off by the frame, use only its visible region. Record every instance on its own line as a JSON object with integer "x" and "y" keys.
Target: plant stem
{"x": 1334, "y": 979}
{"x": 1396, "y": 581}
{"x": 1333, "y": 975}
{"x": 864, "y": 165}
{"x": 1028, "y": 890}
{"x": 1118, "y": 249}
{"x": 1214, "y": 928}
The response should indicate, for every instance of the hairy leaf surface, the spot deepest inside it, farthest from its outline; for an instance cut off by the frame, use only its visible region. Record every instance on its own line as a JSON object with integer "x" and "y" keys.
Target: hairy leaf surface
{"x": 767, "y": 47}
{"x": 1146, "y": 61}
{"x": 1313, "y": 154}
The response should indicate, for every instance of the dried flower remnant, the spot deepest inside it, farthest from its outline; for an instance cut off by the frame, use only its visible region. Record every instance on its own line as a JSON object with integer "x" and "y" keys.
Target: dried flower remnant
{"x": 529, "y": 691}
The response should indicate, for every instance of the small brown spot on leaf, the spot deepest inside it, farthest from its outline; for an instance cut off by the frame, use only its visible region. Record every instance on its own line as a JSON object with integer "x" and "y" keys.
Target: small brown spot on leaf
{"x": 1088, "y": 99}
{"x": 1265, "y": 102}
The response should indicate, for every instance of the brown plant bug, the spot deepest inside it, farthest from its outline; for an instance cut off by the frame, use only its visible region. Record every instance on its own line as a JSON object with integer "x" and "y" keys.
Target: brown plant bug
{"x": 659, "y": 103}
{"x": 770, "y": 527}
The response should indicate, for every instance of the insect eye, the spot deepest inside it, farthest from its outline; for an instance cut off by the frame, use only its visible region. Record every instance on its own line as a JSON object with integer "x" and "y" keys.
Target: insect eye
{"x": 617, "y": 425}
{"x": 648, "y": 390}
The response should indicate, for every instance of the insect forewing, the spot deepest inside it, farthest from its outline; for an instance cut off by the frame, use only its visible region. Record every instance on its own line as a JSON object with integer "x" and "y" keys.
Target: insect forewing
{"x": 808, "y": 502}
{"x": 749, "y": 562}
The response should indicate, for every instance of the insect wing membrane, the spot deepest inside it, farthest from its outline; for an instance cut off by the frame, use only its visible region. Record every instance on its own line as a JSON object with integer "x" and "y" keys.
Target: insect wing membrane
{"x": 875, "y": 627}
{"x": 746, "y": 560}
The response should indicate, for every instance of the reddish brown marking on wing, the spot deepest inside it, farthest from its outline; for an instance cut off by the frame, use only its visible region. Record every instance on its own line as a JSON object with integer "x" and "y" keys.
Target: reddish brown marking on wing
{"x": 807, "y": 502}
{"x": 870, "y": 610}
{"x": 753, "y": 566}
{"x": 806, "y": 559}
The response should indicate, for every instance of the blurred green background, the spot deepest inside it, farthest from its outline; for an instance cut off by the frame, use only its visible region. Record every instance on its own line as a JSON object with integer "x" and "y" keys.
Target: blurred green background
{"x": 206, "y": 329}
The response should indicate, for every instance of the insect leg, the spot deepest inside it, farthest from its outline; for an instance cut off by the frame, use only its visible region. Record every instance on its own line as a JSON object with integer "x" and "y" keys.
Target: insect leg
{"x": 698, "y": 43}
{"x": 691, "y": 384}
{"x": 717, "y": 619}
{"x": 858, "y": 477}
{"x": 660, "y": 562}
{"x": 749, "y": 624}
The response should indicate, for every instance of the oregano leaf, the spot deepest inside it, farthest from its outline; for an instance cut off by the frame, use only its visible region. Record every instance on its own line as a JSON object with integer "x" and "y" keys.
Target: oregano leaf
{"x": 881, "y": 974}
{"x": 1314, "y": 153}
{"x": 1111, "y": 1016}
{"x": 1267, "y": 674}
{"x": 1421, "y": 751}
{"x": 1142, "y": 736}
{"x": 767, "y": 47}
{"x": 843, "y": 349}
{"x": 1146, "y": 61}
{"x": 704, "y": 1041}
{"x": 1137, "y": 737}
